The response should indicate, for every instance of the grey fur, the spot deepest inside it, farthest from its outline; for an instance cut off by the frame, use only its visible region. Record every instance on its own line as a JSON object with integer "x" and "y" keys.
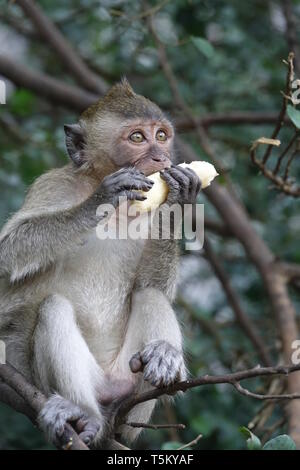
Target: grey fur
{"x": 162, "y": 364}
{"x": 58, "y": 411}
{"x": 74, "y": 309}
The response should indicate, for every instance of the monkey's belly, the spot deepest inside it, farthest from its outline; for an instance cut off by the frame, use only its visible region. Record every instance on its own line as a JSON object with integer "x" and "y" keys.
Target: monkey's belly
{"x": 98, "y": 281}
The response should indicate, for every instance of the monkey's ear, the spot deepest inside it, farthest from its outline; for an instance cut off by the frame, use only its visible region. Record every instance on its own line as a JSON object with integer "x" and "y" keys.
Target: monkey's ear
{"x": 75, "y": 141}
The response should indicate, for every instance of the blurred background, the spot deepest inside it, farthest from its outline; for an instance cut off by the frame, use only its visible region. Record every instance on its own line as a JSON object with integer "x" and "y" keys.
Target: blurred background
{"x": 218, "y": 64}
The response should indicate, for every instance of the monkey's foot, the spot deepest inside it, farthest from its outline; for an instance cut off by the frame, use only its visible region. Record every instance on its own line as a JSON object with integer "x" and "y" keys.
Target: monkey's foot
{"x": 161, "y": 363}
{"x": 58, "y": 411}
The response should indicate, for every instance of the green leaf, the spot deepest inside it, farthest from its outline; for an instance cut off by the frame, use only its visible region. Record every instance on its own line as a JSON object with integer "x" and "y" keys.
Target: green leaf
{"x": 253, "y": 442}
{"x": 294, "y": 115}
{"x": 203, "y": 46}
{"x": 22, "y": 102}
{"x": 283, "y": 442}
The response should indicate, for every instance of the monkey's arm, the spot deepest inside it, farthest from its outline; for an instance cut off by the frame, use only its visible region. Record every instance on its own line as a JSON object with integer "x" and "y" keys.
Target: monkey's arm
{"x": 158, "y": 267}
{"x": 52, "y": 224}
{"x": 36, "y": 242}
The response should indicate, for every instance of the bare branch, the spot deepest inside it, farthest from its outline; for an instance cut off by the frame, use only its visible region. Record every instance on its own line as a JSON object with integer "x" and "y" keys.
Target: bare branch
{"x": 31, "y": 402}
{"x": 155, "y": 426}
{"x": 191, "y": 443}
{"x": 236, "y": 219}
{"x": 231, "y": 118}
{"x": 291, "y": 31}
{"x": 286, "y": 96}
{"x": 280, "y": 183}
{"x": 231, "y": 379}
{"x": 247, "y": 393}
{"x": 62, "y": 47}
{"x": 283, "y": 154}
{"x": 291, "y": 270}
{"x": 49, "y": 88}
{"x": 217, "y": 227}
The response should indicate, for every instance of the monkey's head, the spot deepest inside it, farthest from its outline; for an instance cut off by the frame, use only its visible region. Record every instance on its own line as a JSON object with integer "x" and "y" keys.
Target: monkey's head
{"x": 121, "y": 129}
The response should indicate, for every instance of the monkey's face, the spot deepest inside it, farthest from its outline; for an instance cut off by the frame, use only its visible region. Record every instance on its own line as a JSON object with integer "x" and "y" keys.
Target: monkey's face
{"x": 122, "y": 129}
{"x": 145, "y": 144}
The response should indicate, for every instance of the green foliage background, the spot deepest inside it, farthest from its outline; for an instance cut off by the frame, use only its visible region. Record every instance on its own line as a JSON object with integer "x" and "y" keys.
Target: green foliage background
{"x": 239, "y": 68}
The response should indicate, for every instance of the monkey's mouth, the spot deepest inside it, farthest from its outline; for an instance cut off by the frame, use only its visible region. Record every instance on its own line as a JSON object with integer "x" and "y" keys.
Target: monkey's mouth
{"x": 150, "y": 165}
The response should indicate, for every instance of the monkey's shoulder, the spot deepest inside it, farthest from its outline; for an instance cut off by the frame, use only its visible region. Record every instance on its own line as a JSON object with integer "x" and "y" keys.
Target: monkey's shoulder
{"x": 56, "y": 188}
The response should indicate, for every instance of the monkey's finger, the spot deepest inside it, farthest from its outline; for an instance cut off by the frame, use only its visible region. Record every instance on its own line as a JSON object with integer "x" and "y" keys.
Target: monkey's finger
{"x": 130, "y": 183}
{"x": 195, "y": 182}
{"x": 137, "y": 185}
{"x": 171, "y": 182}
{"x": 128, "y": 176}
{"x": 136, "y": 363}
{"x": 194, "y": 178}
{"x": 131, "y": 174}
{"x": 133, "y": 195}
{"x": 180, "y": 176}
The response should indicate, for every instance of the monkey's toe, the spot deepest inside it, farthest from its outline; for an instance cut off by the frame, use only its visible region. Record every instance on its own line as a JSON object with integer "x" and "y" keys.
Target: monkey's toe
{"x": 88, "y": 428}
{"x": 163, "y": 364}
{"x": 58, "y": 411}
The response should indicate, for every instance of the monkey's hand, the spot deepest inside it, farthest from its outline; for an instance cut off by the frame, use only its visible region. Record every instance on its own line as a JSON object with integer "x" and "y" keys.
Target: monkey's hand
{"x": 161, "y": 363}
{"x": 184, "y": 185}
{"x": 123, "y": 183}
{"x": 58, "y": 411}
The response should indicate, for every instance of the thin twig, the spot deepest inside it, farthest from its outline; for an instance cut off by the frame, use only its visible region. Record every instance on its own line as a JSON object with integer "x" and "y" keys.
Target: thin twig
{"x": 192, "y": 443}
{"x": 289, "y": 79}
{"x": 289, "y": 162}
{"x": 155, "y": 426}
{"x": 258, "y": 396}
{"x": 282, "y": 155}
{"x": 232, "y": 379}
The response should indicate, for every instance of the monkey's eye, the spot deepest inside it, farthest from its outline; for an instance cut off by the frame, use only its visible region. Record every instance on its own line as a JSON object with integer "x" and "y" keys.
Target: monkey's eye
{"x": 137, "y": 137}
{"x": 161, "y": 135}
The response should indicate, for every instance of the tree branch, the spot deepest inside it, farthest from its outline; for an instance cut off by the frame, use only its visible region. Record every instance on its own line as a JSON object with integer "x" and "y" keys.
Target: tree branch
{"x": 232, "y": 118}
{"x": 49, "y": 88}
{"x": 291, "y": 31}
{"x": 236, "y": 218}
{"x": 62, "y": 47}
{"x": 231, "y": 379}
{"x": 258, "y": 396}
{"x": 191, "y": 443}
{"x": 155, "y": 426}
{"x": 30, "y": 401}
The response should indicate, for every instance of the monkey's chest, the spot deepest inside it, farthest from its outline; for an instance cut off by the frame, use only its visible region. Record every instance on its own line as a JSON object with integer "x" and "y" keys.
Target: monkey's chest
{"x": 99, "y": 277}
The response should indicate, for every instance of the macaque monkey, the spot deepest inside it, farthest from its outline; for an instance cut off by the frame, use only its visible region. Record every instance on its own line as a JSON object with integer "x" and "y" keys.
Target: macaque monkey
{"x": 90, "y": 321}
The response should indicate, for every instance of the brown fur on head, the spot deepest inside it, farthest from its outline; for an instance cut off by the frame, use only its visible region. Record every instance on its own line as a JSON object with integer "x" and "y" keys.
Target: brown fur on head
{"x": 100, "y": 143}
{"x": 122, "y": 101}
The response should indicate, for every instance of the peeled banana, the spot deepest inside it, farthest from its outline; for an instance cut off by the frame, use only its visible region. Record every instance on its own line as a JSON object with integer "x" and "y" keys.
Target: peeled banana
{"x": 159, "y": 191}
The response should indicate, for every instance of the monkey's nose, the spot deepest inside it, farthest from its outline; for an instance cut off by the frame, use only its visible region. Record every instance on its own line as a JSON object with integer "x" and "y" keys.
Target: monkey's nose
{"x": 159, "y": 158}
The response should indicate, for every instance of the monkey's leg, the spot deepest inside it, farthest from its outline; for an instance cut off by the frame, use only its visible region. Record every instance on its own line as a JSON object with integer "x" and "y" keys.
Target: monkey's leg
{"x": 153, "y": 345}
{"x": 62, "y": 363}
{"x": 157, "y": 338}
